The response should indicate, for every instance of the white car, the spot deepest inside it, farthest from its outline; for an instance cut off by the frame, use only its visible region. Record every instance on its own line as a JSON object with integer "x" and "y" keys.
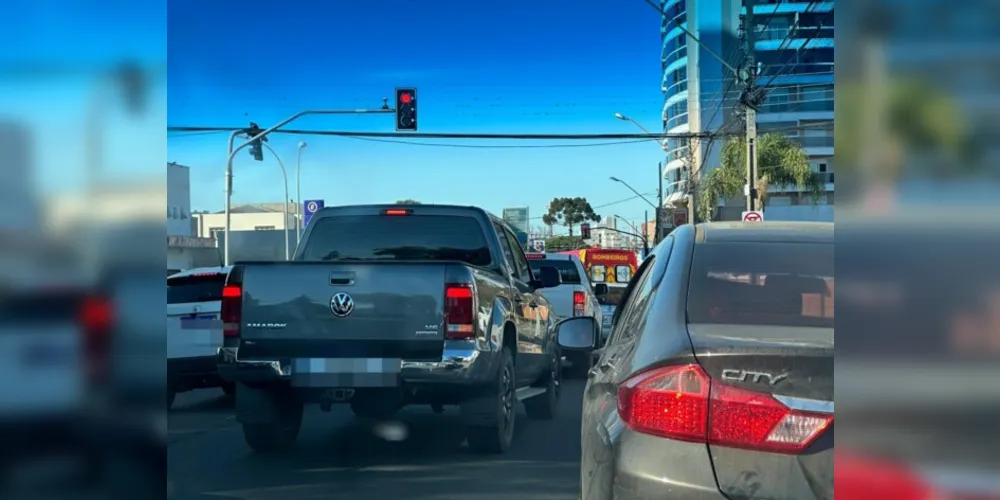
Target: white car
{"x": 575, "y": 297}
{"x": 194, "y": 330}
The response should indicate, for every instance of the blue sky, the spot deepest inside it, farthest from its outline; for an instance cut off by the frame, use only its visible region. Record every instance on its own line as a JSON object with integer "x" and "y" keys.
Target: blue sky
{"x": 515, "y": 67}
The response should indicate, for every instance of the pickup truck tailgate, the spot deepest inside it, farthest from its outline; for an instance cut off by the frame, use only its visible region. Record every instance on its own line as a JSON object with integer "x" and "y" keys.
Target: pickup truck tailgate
{"x": 389, "y": 310}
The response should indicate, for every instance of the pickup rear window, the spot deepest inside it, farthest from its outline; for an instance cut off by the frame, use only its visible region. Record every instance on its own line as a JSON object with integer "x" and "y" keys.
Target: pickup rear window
{"x": 398, "y": 237}
{"x": 197, "y": 288}
{"x": 567, "y": 269}
{"x": 772, "y": 284}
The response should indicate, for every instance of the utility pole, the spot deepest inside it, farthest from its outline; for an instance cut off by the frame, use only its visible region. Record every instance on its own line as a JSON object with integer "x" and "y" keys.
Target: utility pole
{"x": 749, "y": 99}
{"x": 658, "y": 216}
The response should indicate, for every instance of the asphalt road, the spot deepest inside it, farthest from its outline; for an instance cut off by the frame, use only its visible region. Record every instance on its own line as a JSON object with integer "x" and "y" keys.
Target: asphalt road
{"x": 340, "y": 456}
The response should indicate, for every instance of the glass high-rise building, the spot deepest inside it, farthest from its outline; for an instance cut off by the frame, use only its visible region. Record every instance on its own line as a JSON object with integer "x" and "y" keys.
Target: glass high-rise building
{"x": 794, "y": 51}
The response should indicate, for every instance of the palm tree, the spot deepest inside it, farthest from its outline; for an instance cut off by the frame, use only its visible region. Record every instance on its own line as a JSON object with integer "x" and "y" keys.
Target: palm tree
{"x": 780, "y": 162}
{"x": 919, "y": 118}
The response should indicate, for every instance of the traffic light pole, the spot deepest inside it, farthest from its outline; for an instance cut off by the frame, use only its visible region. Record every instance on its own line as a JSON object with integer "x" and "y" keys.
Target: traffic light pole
{"x": 286, "y": 121}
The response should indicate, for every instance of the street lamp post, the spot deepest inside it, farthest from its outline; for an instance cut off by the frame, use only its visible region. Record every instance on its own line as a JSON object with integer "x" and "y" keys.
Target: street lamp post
{"x": 286, "y": 121}
{"x": 633, "y": 190}
{"x": 642, "y": 235}
{"x": 298, "y": 193}
{"x": 284, "y": 175}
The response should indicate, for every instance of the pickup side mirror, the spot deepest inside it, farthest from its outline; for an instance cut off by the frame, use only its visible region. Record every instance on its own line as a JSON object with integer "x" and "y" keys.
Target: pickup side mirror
{"x": 577, "y": 334}
{"x": 600, "y": 289}
{"x": 547, "y": 277}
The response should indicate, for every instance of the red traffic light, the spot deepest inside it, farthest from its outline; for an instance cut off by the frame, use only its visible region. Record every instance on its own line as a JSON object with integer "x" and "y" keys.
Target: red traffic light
{"x": 405, "y": 98}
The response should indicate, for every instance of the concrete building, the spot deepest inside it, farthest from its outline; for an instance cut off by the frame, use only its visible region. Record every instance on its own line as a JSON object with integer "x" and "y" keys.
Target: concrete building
{"x": 184, "y": 248}
{"x": 700, "y": 94}
{"x": 606, "y": 235}
{"x": 250, "y": 217}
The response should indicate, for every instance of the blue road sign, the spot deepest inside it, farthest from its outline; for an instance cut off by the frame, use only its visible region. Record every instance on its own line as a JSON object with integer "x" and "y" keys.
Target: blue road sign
{"x": 311, "y": 207}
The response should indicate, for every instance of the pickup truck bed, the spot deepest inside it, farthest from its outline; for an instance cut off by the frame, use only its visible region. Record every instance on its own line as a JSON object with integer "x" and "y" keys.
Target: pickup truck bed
{"x": 386, "y": 306}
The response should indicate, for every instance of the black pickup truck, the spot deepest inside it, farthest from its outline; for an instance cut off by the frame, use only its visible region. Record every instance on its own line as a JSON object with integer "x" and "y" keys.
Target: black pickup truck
{"x": 385, "y": 306}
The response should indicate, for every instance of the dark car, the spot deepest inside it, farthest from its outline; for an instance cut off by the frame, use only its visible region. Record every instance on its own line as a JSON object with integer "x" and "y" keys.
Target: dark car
{"x": 384, "y": 307}
{"x": 717, "y": 380}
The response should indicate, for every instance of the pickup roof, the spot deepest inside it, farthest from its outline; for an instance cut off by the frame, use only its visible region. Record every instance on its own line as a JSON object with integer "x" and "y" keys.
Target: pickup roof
{"x": 384, "y": 306}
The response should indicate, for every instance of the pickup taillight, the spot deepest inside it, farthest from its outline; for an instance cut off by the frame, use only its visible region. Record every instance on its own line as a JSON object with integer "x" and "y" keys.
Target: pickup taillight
{"x": 578, "y": 303}
{"x": 232, "y": 310}
{"x": 459, "y": 311}
{"x": 96, "y": 319}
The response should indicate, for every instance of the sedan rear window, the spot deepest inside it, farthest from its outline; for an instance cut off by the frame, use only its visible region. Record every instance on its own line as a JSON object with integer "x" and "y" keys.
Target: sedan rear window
{"x": 779, "y": 284}
{"x": 196, "y": 288}
{"x": 398, "y": 237}
{"x": 567, "y": 269}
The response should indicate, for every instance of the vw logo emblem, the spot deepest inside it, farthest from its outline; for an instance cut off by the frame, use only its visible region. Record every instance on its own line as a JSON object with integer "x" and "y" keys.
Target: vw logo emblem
{"x": 341, "y": 304}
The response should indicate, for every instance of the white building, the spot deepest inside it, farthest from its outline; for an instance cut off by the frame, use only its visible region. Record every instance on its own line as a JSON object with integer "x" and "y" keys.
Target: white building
{"x": 251, "y": 217}
{"x": 182, "y": 245}
{"x": 17, "y": 190}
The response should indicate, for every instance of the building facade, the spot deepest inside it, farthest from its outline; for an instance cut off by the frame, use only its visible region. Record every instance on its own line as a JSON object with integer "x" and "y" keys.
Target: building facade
{"x": 794, "y": 51}
{"x": 250, "y": 217}
{"x": 185, "y": 249}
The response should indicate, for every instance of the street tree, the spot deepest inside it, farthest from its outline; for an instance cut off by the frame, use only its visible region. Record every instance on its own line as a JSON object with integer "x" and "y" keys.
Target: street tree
{"x": 570, "y": 212}
{"x": 781, "y": 162}
{"x": 562, "y": 243}
{"x": 407, "y": 201}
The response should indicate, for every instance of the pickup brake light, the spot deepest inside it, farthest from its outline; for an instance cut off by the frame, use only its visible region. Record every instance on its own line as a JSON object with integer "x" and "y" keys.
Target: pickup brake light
{"x": 397, "y": 211}
{"x": 459, "y": 311}
{"x": 96, "y": 319}
{"x": 578, "y": 303}
{"x": 232, "y": 310}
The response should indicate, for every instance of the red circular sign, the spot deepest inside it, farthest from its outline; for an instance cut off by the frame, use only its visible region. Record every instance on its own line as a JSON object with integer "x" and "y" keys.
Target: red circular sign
{"x": 751, "y": 217}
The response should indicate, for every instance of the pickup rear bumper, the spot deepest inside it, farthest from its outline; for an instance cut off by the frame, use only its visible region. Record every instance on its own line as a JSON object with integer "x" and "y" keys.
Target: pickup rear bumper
{"x": 462, "y": 364}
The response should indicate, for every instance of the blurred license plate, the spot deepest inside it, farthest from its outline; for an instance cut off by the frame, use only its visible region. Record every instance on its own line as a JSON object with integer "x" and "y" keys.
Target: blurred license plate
{"x": 346, "y": 372}
{"x": 199, "y": 322}
{"x": 47, "y": 354}
{"x": 347, "y": 365}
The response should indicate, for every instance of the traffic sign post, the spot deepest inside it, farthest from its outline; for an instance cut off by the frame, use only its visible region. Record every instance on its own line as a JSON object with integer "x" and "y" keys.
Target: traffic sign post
{"x": 311, "y": 207}
{"x": 753, "y": 216}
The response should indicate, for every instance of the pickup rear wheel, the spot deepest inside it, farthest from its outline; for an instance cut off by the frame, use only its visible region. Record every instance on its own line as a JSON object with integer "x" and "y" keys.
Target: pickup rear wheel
{"x": 493, "y": 431}
{"x": 277, "y": 435}
{"x": 545, "y": 405}
{"x": 171, "y": 395}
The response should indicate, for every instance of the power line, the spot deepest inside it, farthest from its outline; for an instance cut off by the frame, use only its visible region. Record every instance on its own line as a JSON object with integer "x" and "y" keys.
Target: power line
{"x": 610, "y": 204}
{"x": 704, "y": 46}
{"x": 786, "y": 68}
{"x": 455, "y": 135}
{"x": 495, "y": 146}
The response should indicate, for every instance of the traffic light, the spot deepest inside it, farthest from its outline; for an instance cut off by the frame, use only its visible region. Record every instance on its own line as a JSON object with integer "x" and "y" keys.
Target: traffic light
{"x": 585, "y": 231}
{"x": 256, "y": 149}
{"x": 406, "y": 109}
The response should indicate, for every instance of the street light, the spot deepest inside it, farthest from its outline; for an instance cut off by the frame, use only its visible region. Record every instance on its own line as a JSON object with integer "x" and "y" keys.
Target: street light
{"x": 298, "y": 194}
{"x": 641, "y": 234}
{"x": 659, "y": 166}
{"x": 663, "y": 143}
{"x": 634, "y": 191}
{"x": 233, "y": 151}
{"x": 284, "y": 175}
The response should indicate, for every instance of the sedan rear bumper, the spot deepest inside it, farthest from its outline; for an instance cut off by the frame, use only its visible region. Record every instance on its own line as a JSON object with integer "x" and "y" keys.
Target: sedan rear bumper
{"x": 653, "y": 467}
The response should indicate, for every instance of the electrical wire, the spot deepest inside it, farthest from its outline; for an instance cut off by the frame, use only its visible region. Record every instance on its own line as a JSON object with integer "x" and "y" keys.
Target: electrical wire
{"x": 606, "y": 205}
{"x": 788, "y": 38}
{"x": 494, "y": 146}
{"x": 452, "y": 135}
